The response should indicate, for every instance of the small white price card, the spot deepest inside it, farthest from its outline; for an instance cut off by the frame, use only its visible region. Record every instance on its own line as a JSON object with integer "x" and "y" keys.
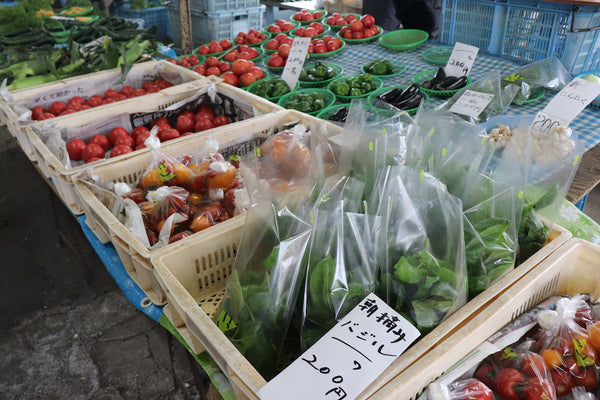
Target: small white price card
{"x": 295, "y": 61}
{"x": 461, "y": 60}
{"x": 471, "y": 103}
{"x": 348, "y": 358}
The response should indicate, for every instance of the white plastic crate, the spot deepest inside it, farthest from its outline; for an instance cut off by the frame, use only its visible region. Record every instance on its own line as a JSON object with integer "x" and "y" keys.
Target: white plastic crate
{"x": 194, "y": 280}
{"x": 18, "y": 101}
{"x": 572, "y": 268}
{"x": 53, "y": 167}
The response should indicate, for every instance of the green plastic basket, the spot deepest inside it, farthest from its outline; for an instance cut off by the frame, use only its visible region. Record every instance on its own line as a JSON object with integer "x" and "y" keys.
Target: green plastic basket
{"x": 273, "y": 99}
{"x": 273, "y": 34}
{"x": 429, "y": 74}
{"x": 372, "y": 98}
{"x": 364, "y": 40}
{"x": 438, "y": 55}
{"x": 378, "y": 83}
{"x": 398, "y": 66}
{"x": 404, "y": 39}
{"x": 323, "y": 12}
{"x": 329, "y": 98}
{"x": 305, "y": 84}
{"x": 329, "y": 111}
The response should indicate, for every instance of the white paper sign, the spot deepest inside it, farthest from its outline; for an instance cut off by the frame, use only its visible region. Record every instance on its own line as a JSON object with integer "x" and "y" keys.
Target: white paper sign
{"x": 295, "y": 61}
{"x": 461, "y": 60}
{"x": 348, "y": 358}
{"x": 471, "y": 103}
{"x": 572, "y": 99}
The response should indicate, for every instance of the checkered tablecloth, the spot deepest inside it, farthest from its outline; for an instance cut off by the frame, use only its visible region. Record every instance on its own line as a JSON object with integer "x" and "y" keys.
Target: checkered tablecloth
{"x": 354, "y": 56}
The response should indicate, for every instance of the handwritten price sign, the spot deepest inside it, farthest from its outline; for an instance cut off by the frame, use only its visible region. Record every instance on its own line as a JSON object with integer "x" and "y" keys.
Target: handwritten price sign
{"x": 461, "y": 60}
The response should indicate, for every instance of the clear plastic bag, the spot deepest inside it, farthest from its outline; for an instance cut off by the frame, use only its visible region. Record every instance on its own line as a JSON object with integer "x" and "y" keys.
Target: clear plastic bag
{"x": 548, "y": 73}
{"x": 422, "y": 259}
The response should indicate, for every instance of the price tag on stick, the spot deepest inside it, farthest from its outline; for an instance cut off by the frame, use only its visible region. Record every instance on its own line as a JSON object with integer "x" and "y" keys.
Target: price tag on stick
{"x": 348, "y": 358}
{"x": 566, "y": 105}
{"x": 461, "y": 60}
{"x": 295, "y": 61}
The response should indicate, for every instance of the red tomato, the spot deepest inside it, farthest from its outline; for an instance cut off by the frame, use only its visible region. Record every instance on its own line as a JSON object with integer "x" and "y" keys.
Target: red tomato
{"x": 586, "y": 378}
{"x": 539, "y": 388}
{"x": 213, "y": 71}
{"x": 231, "y": 56}
{"x": 93, "y": 159}
{"x": 179, "y": 236}
{"x": 240, "y": 66}
{"x": 247, "y": 79}
{"x": 272, "y": 44}
{"x": 200, "y": 69}
{"x": 275, "y": 60}
{"x": 125, "y": 140}
{"x": 356, "y": 26}
{"x": 57, "y": 107}
{"x": 472, "y": 389}
{"x": 100, "y": 140}
{"x": 119, "y": 150}
{"x": 350, "y": 17}
{"x": 357, "y": 35}
{"x": 533, "y": 365}
{"x": 318, "y": 27}
{"x": 257, "y": 72}
{"x": 203, "y": 124}
{"x": 486, "y": 373}
{"x": 37, "y": 112}
{"x": 138, "y": 130}
{"x": 367, "y": 20}
{"x": 203, "y": 50}
{"x": 115, "y": 133}
{"x": 332, "y": 46}
{"x": 76, "y": 100}
{"x": 75, "y": 148}
{"x": 225, "y": 44}
{"x": 141, "y": 138}
{"x": 212, "y": 61}
{"x": 284, "y": 50}
{"x": 168, "y": 134}
{"x": 224, "y": 67}
{"x": 110, "y": 93}
{"x": 127, "y": 90}
{"x": 109, "y": 100}
{"x": 94, "y": 100}
{"x": 138, "y": 92}
{"x": 205, "y": 115}
{"x": 221, "y": 120}
{"x": 92, "y": 150}
{"x": 510, "y": 383}
{"x": 231, "y": 78}
{"x": 563, "y": 381}
{"x": 184, "y": 124}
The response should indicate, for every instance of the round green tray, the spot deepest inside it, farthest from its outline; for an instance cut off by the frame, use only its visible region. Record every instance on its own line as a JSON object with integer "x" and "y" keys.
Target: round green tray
{"x": 326, "y": 31}
{"x": 338, "y": 27}
{"x": 429, "y": 74}
{"x": 329, "y": 111}
{"x": 404, "y": 39}
{"x": 305, "y": 84}
{"x": 372, "y": 98}
{"x": 438, "y": 55}
{"x": 327, "y": 54}
{"x": 258, "y": 44}
{"x": 201, "y": 59}
{"x": 377, "y": 80}
{"x": 399, "y": 67}
{"x": 365, "y": 40}
{"x": 324, "y": 12}
{"x": 195, "y": 51}
{"x": 329, "y": 96}
{"x": 274, "y": 99}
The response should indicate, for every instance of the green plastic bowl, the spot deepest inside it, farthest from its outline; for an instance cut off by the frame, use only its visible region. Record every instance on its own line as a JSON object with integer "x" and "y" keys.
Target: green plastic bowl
{"x": 398, "y": 66}
{"x": 329, "y": 98}
{"x": 372, "y": 99}
{"x": 327, "y": 54}
{"x": 438, "y": 55}
{"x": 429, "y": 74}
{"x": 305, "y": 84}
{"x": 273, "y": 99}
{"x": 338, "y": 27}
{"x": 326, "y": 31}
{"x": 378, "y": 83}
{"x": 323, "y": 12}
{"x": 404, "y": 39}
{"x": 258, "y": 44}
{"x": 329, "y": 111}
{"x": 365, "y": 40}
{"x": 195, "y": 51}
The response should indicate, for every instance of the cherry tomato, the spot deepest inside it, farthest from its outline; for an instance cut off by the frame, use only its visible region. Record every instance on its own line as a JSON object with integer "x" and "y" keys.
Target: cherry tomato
{"x": 563, "y": 381}
{"x": 221, "y": 120}
{"x": 168, "y": 134}
{"x": 486, "y": 373}
{"x": 203, "y": 124}
{"x": 472, "y": 389}
{"x": 127, "y": 90}
{"x": 57, "y": 107}
{"x": 100, "y": 140}
{"x": 125, "y": 140}
{"x": 37, "y": 112}
{"x": 510, "y": 383}
{"x": 92, "y": 150}
{"x": 533, "y": 365}
{"x": 115, "y": 133}
{"x": 184, "y": 124}
{"x": 94, "y": 100}
{"x": 139, "y": 130}
{"x": 586, "y": 378}
{"x": 119, "y": 150}
{"x": 110, "y": 93}
{"x": 75, "y": 148}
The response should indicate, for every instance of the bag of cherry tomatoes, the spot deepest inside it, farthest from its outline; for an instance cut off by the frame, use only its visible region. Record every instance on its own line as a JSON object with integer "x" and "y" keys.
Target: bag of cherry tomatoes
{"x": 177, "y": 198}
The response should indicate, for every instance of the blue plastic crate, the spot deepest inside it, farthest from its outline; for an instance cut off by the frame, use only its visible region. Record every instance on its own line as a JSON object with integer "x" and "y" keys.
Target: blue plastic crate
{"x": 526, "y": 30}
{"x": 222, "y": 5}
{"x": 152, "y": 16}
{"x": 207, "y": 26}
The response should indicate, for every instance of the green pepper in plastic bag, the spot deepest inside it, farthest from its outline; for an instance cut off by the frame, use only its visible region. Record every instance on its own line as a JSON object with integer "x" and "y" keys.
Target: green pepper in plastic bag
{"x": 355, "y": 92}
{"x": 280, "y": 88}
{"x": 341, "y": 88}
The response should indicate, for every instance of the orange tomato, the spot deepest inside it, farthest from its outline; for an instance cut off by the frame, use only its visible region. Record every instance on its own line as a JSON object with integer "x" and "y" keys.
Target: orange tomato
{"x": 223, "y": 180}
{"x": 594, "y": 334}
{"x": 552, "y": 358}
{"x": 182, "y": 174}
{"x": 151, "y": 180}
{"x": 146, "y": 207}
{"x": 199, "y": 223}
{"x": 195, "y": 199}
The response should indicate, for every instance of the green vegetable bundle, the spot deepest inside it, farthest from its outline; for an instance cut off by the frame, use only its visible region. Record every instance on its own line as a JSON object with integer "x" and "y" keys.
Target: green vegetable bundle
{"x": 379, "y": 67}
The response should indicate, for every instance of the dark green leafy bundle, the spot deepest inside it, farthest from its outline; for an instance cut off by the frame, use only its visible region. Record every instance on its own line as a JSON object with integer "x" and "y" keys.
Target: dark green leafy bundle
{"x": 23, "y": 15}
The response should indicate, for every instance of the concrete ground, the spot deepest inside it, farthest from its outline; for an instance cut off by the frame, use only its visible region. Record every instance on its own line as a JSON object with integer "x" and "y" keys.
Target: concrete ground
{"x": 66, "y": 329}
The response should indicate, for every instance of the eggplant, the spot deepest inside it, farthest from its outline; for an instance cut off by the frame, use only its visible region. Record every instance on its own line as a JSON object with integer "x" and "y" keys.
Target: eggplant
{"x": 340, "y": 115}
